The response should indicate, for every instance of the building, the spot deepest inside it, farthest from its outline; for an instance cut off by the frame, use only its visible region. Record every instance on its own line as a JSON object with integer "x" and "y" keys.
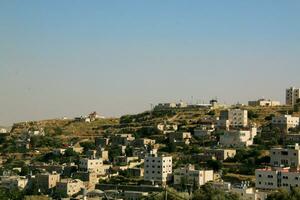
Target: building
{"x": 180, "y": 137}
{"x": 221, "y": 154}
{"x": 189, "y": 176}
{"x": 248, "y": 193}
{"x": 264, "y": 102}
{"x": 167, "y": 128}
{"x": 45, "y": 182}
{"x": 141, "y": 142}
{"x": 158, "y": 169}
{"x": 285, "y": 157}
{"x": 238, "y": 138}
{"x": 285, "y": 122}
{"x": 122, "y": 139}
{"x": 204, "y": 130}
{"x": 276, "y": 178}
{"x": 233, "y": 118}
{"x": 101, "y": 141}
{"x": 93, "y": 165}
{"x": 291, "y": 95}
{"x": 14, "y": 182}
{"x": 70, "y": 187}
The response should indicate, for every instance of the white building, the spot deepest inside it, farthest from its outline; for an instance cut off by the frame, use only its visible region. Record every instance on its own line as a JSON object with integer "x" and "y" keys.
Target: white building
{"x": 158, "y": 169}
{"x": 189, "y": 176}
{"x": 204, "y": 130}
{"x": 285, "y": 157}
{"x": 285, "y": 122}
{"x": 275, "y": 178}
{"x": 291, "y": 95}
{"x": 238, "y": 138}
{"x": 233, "y": 118}
{"x": 180, "y": 137}
{"x": 93, "y": 165}
{"x": 264, "y": 102}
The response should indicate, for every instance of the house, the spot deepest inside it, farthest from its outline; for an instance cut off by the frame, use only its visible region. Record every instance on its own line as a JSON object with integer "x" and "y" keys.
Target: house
{"x": 285, "y": 122}
{"x": 141, "y": 142}
{"x": 167, "y": 128}
{"x": 204, "y": 130}
{"x": 248, "y": 193}
{"x": 93, "y": 165}
{"x": 285, "y": 157}
{"x": 238, "y": 138}
{"x": 45, "y": 182}
{"x": 122, "y": 139}
{"x": 264, "y": 103}
{"x": 158, "y": 169}
{"x": 180, "y": 137}
{"x": 90, "y": 179}
{"x": 189, "y": 176}
{"x": 70, "y": 187}
{"x": 14, "y": 182}
{"x": 221, "y": 154}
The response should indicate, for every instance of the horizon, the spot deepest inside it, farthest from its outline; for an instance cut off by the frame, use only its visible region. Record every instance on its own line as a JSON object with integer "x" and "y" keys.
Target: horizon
{"x": 69, "y": 58}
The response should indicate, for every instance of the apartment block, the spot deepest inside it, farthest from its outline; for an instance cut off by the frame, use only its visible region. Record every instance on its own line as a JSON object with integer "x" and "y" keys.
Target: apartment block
{"x": 47, "y": 181}
{"x": 188, "y": 175}
{"x": 238, "y": 138}
{"x": 158, "y": 169}
{"x": 285, "y": 122}
{"x": 70, "y": 186}
{"x": 233, "y": 118}
{"x": 291, "y": 95}
{"x": 276, "y": 178}
{"x": 285, "y": 157}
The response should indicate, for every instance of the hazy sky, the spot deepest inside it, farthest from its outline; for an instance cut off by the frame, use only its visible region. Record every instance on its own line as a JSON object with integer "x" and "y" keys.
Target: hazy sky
{"x": 68, "y": 58}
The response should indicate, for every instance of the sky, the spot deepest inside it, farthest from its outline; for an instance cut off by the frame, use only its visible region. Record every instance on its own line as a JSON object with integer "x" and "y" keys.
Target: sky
{"x": 71, "y": 57}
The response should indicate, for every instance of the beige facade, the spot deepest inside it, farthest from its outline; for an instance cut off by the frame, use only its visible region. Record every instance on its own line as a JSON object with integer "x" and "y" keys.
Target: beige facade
{"x": 158, "y": 169}
{"x": 47, "y": 181}
{"x": 93, "y": 165}
{"x": 285, "y": 122}
{"x": 70, "y": 186}
{"x": 221, "y": 154}
{"x": 122, "y": 139}
{"x": 264, "y": 103}
{"x": 291, "y": 95}
{"x": 238, "y": 138}
{"x": 14, "y": 182}
{"x": 249, "y": 193}
{"x": 285, "y": 157}
{"x": 272, "y": 178}
{"x": 204, "y": 130}
{"x": 233, "y": 118}
{"x": 180, "y": 137}
{"x": 189, "y": 176}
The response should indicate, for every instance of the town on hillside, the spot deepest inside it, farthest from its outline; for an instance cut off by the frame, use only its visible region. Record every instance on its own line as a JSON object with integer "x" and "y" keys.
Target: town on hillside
{"x": 174, "y": 151}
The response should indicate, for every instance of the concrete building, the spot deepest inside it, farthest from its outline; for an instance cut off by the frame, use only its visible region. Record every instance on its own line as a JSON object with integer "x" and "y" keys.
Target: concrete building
{"x": 93, "y": 165}
{"x": 158, "y": 169}
{"x": 233, "y": 118}
{"x": 45, "y": 182}
{"x": 275, "y": 178}
{"x": 248, "y": 193}
{"x": 285, "y": 157}
{"x": 238, "y": 138}
{"x": 264, "y": 103}
{"x": 167, "y": 128}
{"x": 221, "y": 154}
{"x": 189, "y": 176}
{"x": 122, "y": 139}
{"x": 285, "y": 122}
{"x": 204, "y": 130}
{"x": 70, "y": 187}
{"x": 291, "y": 95}
{"x": 180, "y": 137}
{"x": 141, "y": 142}
{"x": 14, "y": 182}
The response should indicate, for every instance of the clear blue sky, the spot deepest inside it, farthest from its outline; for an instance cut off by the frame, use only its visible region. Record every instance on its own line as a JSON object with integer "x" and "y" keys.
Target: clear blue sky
{"x": 67, "y": 57}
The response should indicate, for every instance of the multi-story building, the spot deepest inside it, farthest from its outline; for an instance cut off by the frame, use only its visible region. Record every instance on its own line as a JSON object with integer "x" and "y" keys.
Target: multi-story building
{"x": 291, "y": 95}
{"x": 204, "y": 130}
{"x": 285, "y": 122}
{"x": 122, "y": 139}
{"x": 158, "y": 169}
{"x": 233, "y": 118}
{"x": 275, "y": 178}
{"x": 14, "y": 182}
{"x": 238, "y": 138}
{"x": 189, "y": 176}
{"x": 70, "y": 186}
{"x": 45, "y": 182}
{"x": 142, "y": 142}
{"x": 285, "y": 157}
{"x": 93, "y": 165}
{"x": 264, "y": 102}
{"x": 248, "y": 193}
